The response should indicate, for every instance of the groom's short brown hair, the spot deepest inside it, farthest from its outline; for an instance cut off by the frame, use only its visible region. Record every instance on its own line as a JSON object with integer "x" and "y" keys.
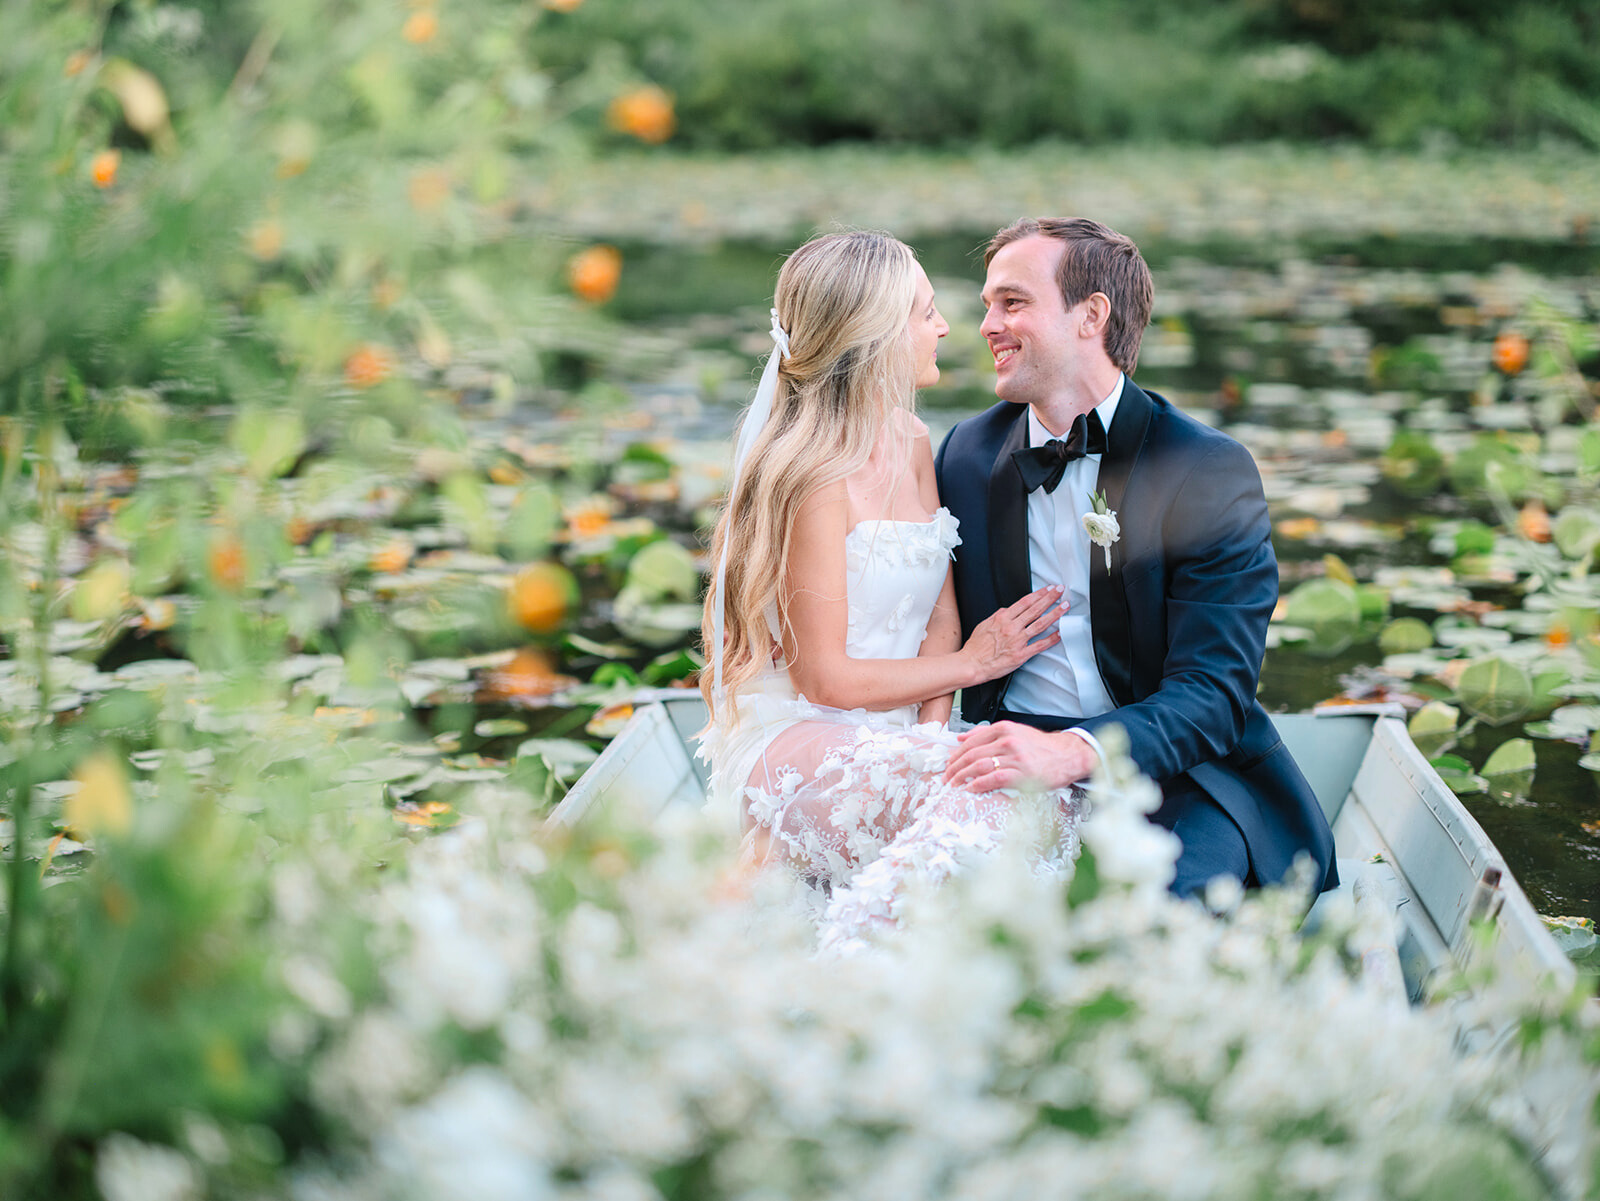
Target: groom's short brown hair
{"x": 1097, "y": 259}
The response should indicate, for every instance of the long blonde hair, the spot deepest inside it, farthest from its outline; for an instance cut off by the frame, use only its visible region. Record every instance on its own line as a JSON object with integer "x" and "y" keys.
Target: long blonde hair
{"x": 845, "y": 300}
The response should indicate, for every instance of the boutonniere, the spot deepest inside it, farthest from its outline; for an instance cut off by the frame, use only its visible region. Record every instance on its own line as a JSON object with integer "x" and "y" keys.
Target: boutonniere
{"x": 1101, "y": 525}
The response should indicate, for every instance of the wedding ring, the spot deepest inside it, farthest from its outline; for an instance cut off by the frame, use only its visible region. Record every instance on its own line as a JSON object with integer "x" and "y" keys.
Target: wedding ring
{"x": 994, "y": 759}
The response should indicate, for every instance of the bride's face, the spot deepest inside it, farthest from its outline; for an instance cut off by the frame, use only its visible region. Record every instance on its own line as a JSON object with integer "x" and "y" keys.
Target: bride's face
{"x": 925, "y": 329}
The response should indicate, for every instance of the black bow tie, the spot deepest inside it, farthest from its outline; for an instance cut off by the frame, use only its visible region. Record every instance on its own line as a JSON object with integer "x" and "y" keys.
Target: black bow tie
{"x": 1046, "y": 464}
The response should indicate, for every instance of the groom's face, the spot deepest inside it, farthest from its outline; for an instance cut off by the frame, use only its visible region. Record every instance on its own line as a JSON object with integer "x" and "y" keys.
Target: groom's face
{"x": 1028, "y": 328}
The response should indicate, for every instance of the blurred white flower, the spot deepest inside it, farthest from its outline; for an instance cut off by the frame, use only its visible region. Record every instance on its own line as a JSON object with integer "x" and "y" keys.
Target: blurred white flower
{"x": 476, "y": 1139}
{"x": 127, "y": 1169}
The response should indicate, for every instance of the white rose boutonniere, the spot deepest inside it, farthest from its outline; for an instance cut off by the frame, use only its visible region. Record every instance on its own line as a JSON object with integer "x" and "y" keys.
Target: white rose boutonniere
{"x": 1101, "y": 525}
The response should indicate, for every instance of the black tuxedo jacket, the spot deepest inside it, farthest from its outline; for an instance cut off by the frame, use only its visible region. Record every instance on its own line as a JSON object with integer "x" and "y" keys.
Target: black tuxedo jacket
{"x": 1179, "y": 620}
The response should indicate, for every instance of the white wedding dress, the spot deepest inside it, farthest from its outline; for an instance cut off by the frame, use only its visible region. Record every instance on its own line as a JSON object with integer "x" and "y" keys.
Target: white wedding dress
{"x": 851, "y": 798}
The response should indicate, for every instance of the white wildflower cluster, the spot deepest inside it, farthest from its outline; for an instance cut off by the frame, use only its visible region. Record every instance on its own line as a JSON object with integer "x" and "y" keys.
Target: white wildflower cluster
{"x": 622, "y": 1015}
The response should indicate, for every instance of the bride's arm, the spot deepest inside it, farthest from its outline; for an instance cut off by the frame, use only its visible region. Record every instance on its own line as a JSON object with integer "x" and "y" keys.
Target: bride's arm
{"x": 944, "y": 637}
{"x": 814, "y": 643}
{"x": 944, "y": 626}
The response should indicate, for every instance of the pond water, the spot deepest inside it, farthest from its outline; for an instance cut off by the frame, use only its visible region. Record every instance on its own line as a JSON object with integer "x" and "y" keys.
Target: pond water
{"x": 1313, "y": 353}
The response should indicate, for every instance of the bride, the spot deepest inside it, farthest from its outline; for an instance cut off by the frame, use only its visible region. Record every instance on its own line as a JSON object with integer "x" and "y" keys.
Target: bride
{"x": 831, "y": 623}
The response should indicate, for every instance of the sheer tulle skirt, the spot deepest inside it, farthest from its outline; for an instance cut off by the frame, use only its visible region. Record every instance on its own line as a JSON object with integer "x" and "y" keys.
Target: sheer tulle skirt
{"x": 855, "y": 804}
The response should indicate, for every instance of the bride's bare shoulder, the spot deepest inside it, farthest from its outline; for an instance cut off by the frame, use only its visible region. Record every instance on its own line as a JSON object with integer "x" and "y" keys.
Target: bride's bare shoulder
{"x": 907, "y": 424}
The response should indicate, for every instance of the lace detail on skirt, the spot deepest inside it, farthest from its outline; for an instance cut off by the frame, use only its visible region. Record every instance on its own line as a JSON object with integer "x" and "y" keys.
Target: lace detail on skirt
{"x": 863, "y": 817}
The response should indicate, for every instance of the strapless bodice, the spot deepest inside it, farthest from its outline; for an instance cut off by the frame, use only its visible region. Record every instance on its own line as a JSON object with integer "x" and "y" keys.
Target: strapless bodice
{"x": 894, "y": 571}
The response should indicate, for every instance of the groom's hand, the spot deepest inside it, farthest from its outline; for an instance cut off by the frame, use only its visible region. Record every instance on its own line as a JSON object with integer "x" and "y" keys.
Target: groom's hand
{"x": 1008, "y": 754}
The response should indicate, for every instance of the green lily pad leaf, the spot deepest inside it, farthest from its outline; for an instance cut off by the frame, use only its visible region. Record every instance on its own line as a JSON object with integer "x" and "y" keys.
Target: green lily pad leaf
{"x": 1470, "y": 637}
{"x": 1509, "y": 770}
{"x": 101, "y": 592}
{"x": 269, "y": 439}
{"x": 1576, "y": 532}
{"x": 663, "y": 570}
{"x": 566, "y": 757}
{"x": 608, "y": 674}
{"x": 675, "y": 665}
{"x": 1373, "y": 603}
{"x": 1458, "y": 775}
{"x": 499, "y": 727}
{"x": 604, "y": 650}
{"x": 1491, "y": 465}
{"x": 1328, "y": 608}
{"x": 1413, "y": 464}
{"x": 1420, "y": 663}
{"x": 650, "y": 624}
{"x": 1404, "y": 636}
{"x": 1433, "y": 727}
{"x": 1589, "y": 452}
{"x": 384, "y": 770}
{"x": 1545, "y": 682}
{"x": 1571, "y": 722}
{"x": 533, "y": 521}
{"x": 1279, "y": 634}
{"x": 1336, "y": 568}
{"x": 1574, "y": 935}
{"x": 1495, "y": 689}
{"x": 1474, "y": 538}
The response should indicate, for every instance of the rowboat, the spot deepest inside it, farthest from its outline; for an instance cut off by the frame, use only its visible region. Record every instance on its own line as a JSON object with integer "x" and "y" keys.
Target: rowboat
{"x": 1403, "y": 839}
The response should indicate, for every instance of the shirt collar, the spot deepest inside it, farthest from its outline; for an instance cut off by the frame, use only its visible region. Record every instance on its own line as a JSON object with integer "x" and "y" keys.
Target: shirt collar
{"x": 1107, "y": 408}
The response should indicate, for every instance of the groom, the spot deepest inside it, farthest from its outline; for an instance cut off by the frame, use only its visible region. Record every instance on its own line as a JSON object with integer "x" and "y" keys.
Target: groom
{"x": 1165, "y": 638}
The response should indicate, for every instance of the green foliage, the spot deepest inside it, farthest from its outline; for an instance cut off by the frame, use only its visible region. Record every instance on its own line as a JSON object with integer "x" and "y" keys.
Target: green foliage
{"x": 1015, "y": 71}
{"x": 1329, "y": 609}
{"x": 275, "y": 206}
{"x": 1496, "y": 690}
{"x": 301, "y": 218}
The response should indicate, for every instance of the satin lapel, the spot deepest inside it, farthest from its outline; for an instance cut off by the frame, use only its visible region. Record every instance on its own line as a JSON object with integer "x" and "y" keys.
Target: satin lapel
{"x": 1108, "y": 602}
{"x": 1008, "y": 518}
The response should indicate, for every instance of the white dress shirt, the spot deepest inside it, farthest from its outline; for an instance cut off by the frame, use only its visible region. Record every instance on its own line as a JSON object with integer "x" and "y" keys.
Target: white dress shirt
{"x": 1065, "y": 679}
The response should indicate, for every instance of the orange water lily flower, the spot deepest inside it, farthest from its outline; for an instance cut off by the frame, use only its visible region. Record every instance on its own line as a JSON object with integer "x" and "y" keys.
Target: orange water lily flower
{"x": 266, "y": 240}
{"x": 645, "y": 113}
{"x": 593, "y": 273}
{"x": 392, "y": 557}
{"x": 428, "y": 189}
{"x": 1533, "y": 522}
{"x": 103, "y": 168}
{"x": 76, "y": 62}
{"x": 368, "y": 366}
{"x": 539, "y": 596}
{"x": 103, "y": 802}
{"x": 561, "y": 6}
{"x": 1510, "y": 353}
{"x": 421, "y": 27}
{"x": 225, "y": 560}
{"x": 528, "y": 675}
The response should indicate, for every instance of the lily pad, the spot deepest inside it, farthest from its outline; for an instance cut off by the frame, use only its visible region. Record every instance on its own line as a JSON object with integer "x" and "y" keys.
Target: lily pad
{"x": 674, "y": 665}
{"x": 1571, "y": 722}
{"x": 1457, "y": 773}
{"x": 1495, "y": 689}
{"x": 663, "y": 570}
{"x": 1576, "y": 532}
{"x": 1330, "y": 609}
{"x": 654, "y": 625}
{"x": 1509, "y": 770}
{"x": 499, "y": 727}
{"x": 1433, "y": 727}
{"x": 1405, "y": 635}
{"x": 1413, "y": 464}
{"x": 1574, "y": 935}
{"x": 566, "y": 757}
